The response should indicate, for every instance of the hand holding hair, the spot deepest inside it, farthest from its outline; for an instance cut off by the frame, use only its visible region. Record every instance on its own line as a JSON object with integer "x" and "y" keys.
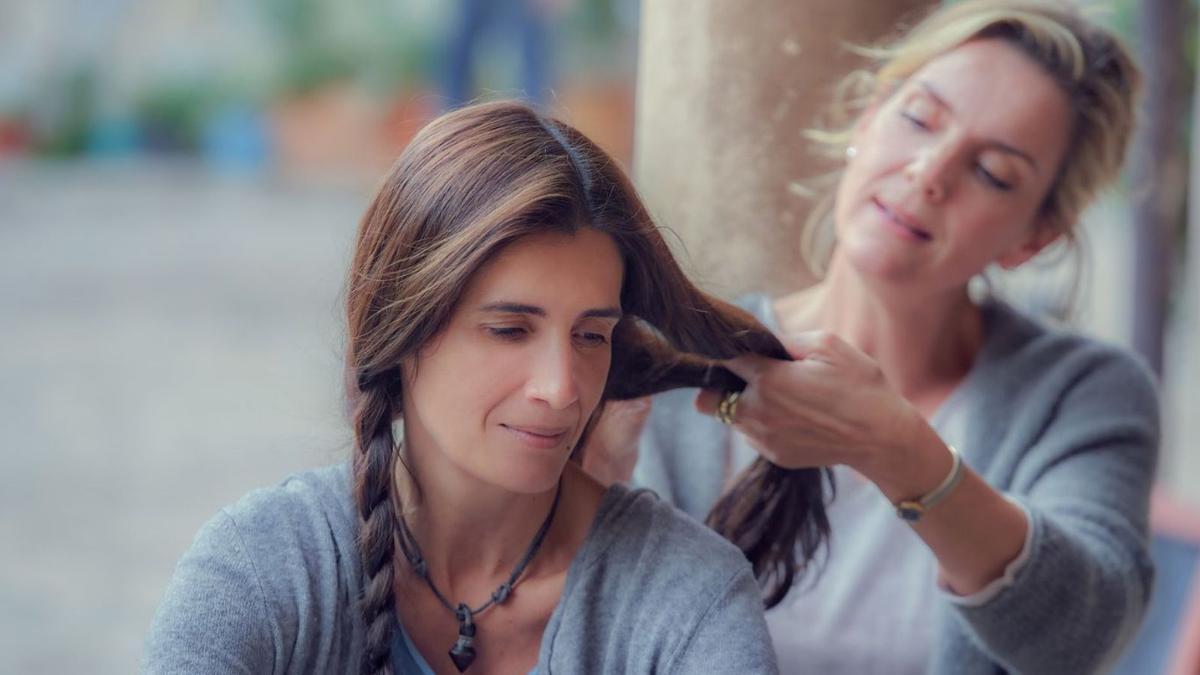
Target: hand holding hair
{"x": 831, "y": 405}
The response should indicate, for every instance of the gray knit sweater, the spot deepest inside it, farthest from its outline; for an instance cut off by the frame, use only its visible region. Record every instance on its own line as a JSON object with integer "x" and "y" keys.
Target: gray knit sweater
{"x": 269, "y": 586}
{"x": 1066, "y": 426}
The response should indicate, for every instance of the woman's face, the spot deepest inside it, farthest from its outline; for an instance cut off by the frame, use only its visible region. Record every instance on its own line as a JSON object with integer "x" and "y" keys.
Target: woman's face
{"x": 503, "y": 393}
{"x": 951, "y": 169}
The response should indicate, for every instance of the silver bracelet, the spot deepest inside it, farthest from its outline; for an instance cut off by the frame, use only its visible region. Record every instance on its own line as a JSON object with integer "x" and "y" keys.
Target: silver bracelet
{"x": 912, "y": 509}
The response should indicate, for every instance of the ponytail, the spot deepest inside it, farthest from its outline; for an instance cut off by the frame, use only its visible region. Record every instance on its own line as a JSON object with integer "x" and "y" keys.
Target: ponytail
{"x": 776, "y": 516}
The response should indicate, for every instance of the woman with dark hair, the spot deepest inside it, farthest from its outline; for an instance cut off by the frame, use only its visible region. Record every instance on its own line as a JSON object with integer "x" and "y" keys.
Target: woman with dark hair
{"x": 506, "y": 282}
{"x": 993, "y": 473}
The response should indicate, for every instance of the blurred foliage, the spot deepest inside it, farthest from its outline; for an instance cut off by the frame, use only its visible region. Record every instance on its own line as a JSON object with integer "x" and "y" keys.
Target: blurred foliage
{"x": 310, "y": 57}
{"x": 172, "y": 114}
{"x": 381, "y": 49}
{"x": 601, "y": 35}
{"x": 78, "y": 105}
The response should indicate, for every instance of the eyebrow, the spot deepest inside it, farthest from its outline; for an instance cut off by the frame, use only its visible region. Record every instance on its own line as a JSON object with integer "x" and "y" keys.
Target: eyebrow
{"x": 999, "y": 145}
{"x": 522, "y": 308}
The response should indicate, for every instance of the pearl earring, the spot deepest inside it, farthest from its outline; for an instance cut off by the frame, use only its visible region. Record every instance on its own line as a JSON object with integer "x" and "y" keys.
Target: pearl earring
{"x": 851, "y": 152}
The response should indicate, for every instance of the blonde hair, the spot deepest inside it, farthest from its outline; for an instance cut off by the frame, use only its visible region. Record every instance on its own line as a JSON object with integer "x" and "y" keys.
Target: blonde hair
{"x": 1091, "y": 65}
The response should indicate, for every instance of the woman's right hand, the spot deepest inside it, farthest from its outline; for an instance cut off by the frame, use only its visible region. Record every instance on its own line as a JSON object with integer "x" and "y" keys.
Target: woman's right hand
{"x": 832, "y": 405}
{"x": 611, "y": 450}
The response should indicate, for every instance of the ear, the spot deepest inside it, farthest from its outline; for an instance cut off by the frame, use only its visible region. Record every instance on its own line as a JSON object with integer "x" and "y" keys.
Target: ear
{"x": 1045, "y": 232}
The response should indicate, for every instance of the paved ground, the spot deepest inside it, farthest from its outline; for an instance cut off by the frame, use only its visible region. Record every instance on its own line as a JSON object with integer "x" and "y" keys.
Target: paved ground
{"x": 168, "y": 341}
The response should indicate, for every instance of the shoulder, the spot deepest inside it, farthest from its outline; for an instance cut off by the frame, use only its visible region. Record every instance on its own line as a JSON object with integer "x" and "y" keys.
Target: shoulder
{"x": 1045, "y": 402}
{"x": 308, "y": 510}
{"x": 293, "y": 537}
{"x": 673, "y": 553}
{"x": 268, "y": 577}
{"x": 653, "y": 590}
{"x": 311, "y": 507}
{"x": 300, "y": 535}
{"x": 1026, "y": 358}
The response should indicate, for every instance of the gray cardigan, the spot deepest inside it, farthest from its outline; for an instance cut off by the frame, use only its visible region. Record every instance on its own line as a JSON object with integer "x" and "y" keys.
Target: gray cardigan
{"x": 269, "y": 586}
{"x": 1066, "y": 426}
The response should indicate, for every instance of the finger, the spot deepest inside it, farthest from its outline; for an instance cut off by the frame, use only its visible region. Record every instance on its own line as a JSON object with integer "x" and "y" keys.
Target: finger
{"x": 828, "y": 348}
{"x": 708, "y": 400}
{"x": 748, "y": 366}
{"x": 814, "y": 344}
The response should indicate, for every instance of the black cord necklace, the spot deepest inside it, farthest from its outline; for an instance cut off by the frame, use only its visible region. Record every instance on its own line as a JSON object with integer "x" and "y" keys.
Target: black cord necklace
{"x": 463, "y": 651}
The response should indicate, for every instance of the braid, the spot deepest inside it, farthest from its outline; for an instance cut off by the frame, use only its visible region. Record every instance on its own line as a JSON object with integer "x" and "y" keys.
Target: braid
{"x": 373, "y": 462}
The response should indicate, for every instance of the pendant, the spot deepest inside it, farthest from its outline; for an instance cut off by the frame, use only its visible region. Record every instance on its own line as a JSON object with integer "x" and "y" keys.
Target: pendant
{"x": 463, "y": 651}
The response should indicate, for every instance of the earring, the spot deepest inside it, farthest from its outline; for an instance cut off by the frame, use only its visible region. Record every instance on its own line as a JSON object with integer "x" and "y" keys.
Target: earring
{"x": 851, "y": 152}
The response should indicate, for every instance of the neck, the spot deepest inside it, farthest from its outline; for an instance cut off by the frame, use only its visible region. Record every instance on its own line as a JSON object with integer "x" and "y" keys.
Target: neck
{"x": 922, "y": 341}
{"x": 471, "y": 534}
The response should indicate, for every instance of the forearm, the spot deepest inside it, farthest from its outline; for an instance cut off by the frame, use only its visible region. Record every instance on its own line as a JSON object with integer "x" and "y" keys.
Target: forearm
{"x": 975, "y": 532}
{"x": 1097, "y": 576}
{"x": 1070, "y": 606}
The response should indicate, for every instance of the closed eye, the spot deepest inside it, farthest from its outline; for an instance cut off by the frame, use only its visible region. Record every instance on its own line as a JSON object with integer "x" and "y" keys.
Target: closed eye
{"x": 915, "y": 121}
{"x": 990, "y": 179}
{"x": 509, "y": 333}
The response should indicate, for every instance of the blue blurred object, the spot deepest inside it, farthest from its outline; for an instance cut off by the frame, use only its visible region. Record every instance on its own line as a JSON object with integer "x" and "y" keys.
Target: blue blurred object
{"x": 114, "y": 137}
{"x": 234, "y": 139}
{"x": 1173, "y": 604}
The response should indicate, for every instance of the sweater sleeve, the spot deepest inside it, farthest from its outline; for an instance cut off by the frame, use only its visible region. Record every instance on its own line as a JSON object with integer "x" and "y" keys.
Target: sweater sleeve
{"x": 1085, "y": 483}
{"x": 213, "y": 617}
{"x": 731, "y": 635}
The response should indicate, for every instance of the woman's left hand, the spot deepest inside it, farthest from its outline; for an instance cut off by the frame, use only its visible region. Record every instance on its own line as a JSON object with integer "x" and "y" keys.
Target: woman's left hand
{"x": 832, "y": 405}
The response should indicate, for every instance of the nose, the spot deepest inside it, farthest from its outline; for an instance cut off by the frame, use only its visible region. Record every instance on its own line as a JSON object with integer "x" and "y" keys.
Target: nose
{"x": 554, "y": 380}
{"x": 930, "y": 170}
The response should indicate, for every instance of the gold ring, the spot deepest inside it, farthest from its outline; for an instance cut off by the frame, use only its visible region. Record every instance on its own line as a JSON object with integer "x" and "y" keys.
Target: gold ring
{"x": 727, "y": 408}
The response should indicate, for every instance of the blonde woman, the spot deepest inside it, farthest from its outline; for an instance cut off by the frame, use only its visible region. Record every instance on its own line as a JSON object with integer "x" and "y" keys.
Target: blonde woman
{"x": 992, "y": 473}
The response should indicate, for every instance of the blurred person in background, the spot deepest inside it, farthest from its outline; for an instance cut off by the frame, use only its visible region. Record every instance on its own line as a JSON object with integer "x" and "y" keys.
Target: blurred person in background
{"x": 506, "y": 281}
{"x": 993, "y": 474}
{"x": 528, "y": 22}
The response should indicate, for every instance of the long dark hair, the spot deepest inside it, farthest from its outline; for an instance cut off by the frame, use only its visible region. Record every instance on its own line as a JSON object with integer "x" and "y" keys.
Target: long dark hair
{"x": 470, "y": 183}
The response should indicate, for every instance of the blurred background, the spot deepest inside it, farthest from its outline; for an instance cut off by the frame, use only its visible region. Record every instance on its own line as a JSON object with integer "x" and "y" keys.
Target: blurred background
{"x": 180, "y": 181}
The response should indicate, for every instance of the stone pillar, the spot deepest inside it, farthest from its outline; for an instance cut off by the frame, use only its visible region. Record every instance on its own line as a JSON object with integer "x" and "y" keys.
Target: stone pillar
{"x": 725, "y": 90}
{"x": 1158, "y": 170}
{"x": 1179, "y": 468}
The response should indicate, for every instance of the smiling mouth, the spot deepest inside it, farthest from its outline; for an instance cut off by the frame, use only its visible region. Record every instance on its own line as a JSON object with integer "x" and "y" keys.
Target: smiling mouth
{"x": 539, "y": 437}
{"x": 903, "y": 222}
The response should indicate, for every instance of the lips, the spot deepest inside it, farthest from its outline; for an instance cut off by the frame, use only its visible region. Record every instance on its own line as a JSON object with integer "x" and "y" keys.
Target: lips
{"x": 539, "y": 436}
{"x": 903, "y": 221}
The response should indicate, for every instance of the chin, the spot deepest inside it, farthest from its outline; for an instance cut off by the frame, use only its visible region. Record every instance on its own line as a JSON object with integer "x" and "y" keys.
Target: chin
{"x": 528, "y": 476}
{"x": 874, "y": 261}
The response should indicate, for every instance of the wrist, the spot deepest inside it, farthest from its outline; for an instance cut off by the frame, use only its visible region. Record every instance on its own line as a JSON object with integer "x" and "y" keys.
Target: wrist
{"x": 914, "y": 509}
{"x": 912, "y": 465}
